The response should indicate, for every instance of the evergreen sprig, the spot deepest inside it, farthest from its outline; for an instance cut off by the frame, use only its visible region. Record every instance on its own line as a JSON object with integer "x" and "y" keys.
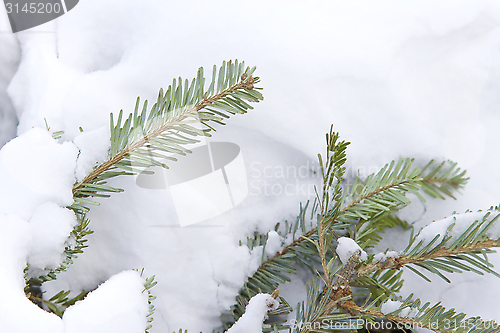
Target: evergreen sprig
{"x": 149, "y": 283}
{"x": 369, "y": 234}
{"x": 337, "y": 306}
{"x": 364, "y": 210}
{"x": 447, "y": 253}
{"x": 319, "y": 312}
{"x": 314, "y": 306}
{"x": 58, "y": 303}
{"x": 382, "y": 284}
{"x": 74, "y": 246}
{"x": 332, "y": 171}
{"x": 443, "y": 179}
{"x": 382, "y": 192}
{"x": 151, "y": 137}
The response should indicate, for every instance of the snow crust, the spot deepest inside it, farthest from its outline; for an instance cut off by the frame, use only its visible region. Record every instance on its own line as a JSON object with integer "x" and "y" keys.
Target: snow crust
{"x": 255, "y": 313}
{"x": 347, "y": 247}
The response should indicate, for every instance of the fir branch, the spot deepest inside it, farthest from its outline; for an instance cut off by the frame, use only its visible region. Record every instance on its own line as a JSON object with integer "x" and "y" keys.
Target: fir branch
{"x": 452, "y": 254}
{"x": 314, "y": 305}
{"x": 58, "y": 303}
{"x": 443, "y": 179}
{"x": 149, "y": 283}
{"x": 372, "y": 200}
{"x": 368, "y": 234}
{"x": 432, "y": 179}
{"x": 467, "y": 254}
{"x": 147, "y": 138}
{"x": 274, "y": 271}
{"x": 403, "y": 180}
{"x": 382, "y": 284}
{"x": 376, "y": 197}
{"x": 332, "y": 171}
{"x": 446, "y": 252}
{"x": 324, "y": 304}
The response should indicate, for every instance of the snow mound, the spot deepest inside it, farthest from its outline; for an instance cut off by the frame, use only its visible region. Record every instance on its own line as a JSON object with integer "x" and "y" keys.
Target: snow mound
{"x": 15, "y": 239}
{"x": 51, "y": 225}
{"x": 273, "y": 244}
{"x": 118, "y": 305}
{"x": 255, "y": 313}
{"x": 35, "y": 168}
{"x": 347, "y": 248}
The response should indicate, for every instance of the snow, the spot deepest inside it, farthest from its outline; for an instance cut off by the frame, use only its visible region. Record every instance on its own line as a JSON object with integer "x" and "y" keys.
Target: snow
{"x": 255, "y": 313}
{"x": 118, "y": 305}
{"x": 384, "y": 256}
{"x": 51, "y": 226}
{"x": 35, "y": 168}
{"x": 416, "y": 79}
{"x": 347, "y": 247}
{"x": 43, "y": 78}
{"x": 273, "y": 244}
{"x": 461, "y": 222}
{"x": 15, "y": 239}
{"x": 390, "y": 306}
{"x": 94, "y": 148}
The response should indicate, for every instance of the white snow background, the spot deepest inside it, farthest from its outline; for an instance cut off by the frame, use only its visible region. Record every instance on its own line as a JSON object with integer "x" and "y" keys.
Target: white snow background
{"x": 398, "y": 79}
